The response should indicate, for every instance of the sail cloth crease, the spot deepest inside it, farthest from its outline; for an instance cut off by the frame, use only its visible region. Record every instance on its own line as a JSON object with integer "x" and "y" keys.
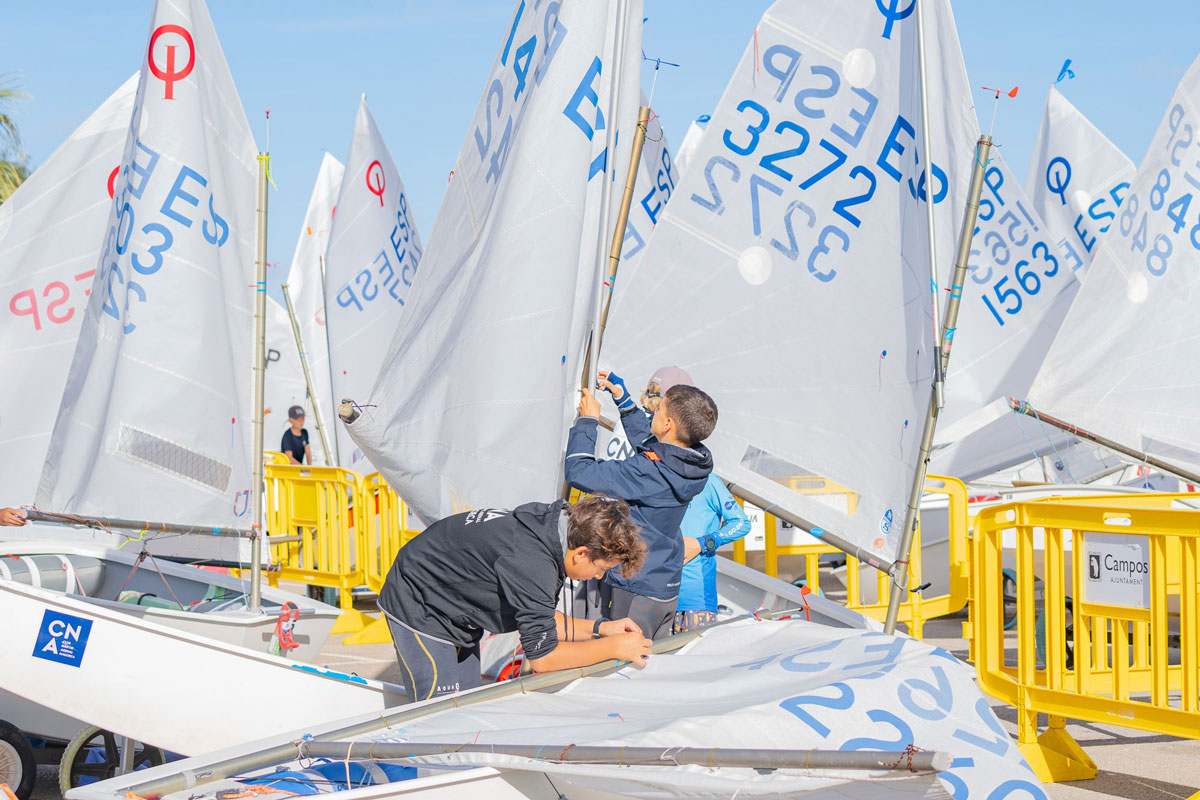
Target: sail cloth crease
{"x": 478, "y": 386}
{"x": 284, "y": 380}
{"x": 1125, "y": 364}
{"x": 371, "y": 262}
{"x": 306, "y": 284}
{"x": 50, "y": 231}
{"x": 757, "y": 684}
{"x": 790, "y": 274}
{"x": 154, "y": 421}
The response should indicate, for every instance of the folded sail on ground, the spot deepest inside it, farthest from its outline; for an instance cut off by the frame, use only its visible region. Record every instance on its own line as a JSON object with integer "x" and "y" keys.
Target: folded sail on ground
{"x": 1126, "y": 363}
{"x": 50, "y": 234}
{"x": 306, "y": 284}
{"x": 154, "y": 418}
{"x": 478, "y": 386}
{"x": 790, "y": 275}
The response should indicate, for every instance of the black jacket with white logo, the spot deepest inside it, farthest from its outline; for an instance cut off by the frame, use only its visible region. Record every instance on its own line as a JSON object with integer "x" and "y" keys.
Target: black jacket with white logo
{"x": 489, "y": 569}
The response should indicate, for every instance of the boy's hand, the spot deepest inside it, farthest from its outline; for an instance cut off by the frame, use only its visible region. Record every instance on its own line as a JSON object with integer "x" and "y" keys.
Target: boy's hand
{"x": 612, "y": 383}
{"x": 631, "y": 647}
{"x": 691, "y": 548}
{"x": 615, "y": 627}
{"x": 589, "y": 406}
{"x": 12, "y": 516}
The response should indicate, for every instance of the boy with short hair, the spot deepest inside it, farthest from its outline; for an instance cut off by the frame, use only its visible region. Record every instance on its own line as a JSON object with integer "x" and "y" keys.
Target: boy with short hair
{"x": 669, "y": 468}
{"x": 501, "y": 571}
{"x": 295, "y": 439}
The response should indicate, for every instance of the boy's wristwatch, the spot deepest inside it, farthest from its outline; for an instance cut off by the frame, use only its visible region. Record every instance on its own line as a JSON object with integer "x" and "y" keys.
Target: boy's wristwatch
{"x": 596, "y": 629}
{"x": 710, "y": 545}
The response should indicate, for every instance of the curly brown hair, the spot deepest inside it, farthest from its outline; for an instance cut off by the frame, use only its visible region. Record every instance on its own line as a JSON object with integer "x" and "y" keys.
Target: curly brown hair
{"x": 602, "y": 524}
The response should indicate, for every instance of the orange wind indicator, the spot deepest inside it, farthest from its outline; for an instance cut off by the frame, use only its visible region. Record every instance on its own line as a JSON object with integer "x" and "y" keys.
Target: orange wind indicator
{"x": 1011, "y": 93}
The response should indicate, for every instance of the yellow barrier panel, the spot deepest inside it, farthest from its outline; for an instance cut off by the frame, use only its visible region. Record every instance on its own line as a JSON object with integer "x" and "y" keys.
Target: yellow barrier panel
{"x": 310, "y": 514}
{"x": 381, "y": 534}
{"x": 917, "y": 608}
{"x": 1120, "y": 645}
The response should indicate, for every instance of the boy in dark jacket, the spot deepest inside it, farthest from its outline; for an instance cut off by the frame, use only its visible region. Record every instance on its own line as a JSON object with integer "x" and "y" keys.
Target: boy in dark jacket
{"x": 669, "y": 468}
{"x": 499, "y": 570}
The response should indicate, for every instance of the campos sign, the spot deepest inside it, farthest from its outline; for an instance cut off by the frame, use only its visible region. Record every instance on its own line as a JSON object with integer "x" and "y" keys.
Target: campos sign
{"x": 1116, "y": 570}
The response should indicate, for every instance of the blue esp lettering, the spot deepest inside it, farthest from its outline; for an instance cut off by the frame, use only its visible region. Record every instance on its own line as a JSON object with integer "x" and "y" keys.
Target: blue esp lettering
{"x": 666, "y": 172}
{"x": 784, "y": 74}
{"x": 994, "y": 179}
{"x": 893, "y": 145}
{"x": 862, "y": 116}
{"x": 143, "y": 171}
{"x": 368, "y": 292}
{"x": 346, "y": 296}
{"x": 652, "y": 213}
{"x": 220, "y": 228}
{"x": 1083, "y": 235}
{"x": 62, "y": 638}
{"x": 585, "y": 91}
{"x": 835, "y": 82}
{"x": 178, "y": 193}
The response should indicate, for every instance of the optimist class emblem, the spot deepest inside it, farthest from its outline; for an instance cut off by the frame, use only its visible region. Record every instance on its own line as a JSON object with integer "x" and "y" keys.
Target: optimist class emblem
{"x": 62, "y": 638}
{"x": 885, "y": 522}
{"x": 376, "y": 188}
{"x": 169, "y": 75}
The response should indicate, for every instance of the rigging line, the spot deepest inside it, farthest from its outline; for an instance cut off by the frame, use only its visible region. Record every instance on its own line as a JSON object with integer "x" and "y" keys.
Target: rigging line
{"x": 1033, "y": 449}
{"x": 1058, "y": 458}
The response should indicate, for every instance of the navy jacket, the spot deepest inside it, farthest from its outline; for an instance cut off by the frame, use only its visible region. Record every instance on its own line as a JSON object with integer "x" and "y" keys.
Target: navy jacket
{"x": 658, "y": 482}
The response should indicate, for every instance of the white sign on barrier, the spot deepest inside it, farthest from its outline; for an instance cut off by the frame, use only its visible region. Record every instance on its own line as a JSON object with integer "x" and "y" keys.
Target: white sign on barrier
{"x": 1116, "y": 570}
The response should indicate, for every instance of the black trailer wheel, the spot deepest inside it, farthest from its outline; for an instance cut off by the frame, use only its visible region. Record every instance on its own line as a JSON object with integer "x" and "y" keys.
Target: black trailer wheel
{"x": 18, "y": 768}
{"x": 93, "y": 755}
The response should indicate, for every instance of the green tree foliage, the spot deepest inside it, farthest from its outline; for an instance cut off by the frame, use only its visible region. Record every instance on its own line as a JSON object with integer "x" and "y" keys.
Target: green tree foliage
{"x": 13, "y": 163}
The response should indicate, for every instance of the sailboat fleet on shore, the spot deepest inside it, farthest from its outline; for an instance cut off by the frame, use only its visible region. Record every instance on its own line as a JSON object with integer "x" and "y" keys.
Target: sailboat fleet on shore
{"x": 797, "y": 245}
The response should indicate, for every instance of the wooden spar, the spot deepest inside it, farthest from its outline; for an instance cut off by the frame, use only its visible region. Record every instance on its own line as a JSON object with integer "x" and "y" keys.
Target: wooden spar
{"x": 1137, "y": 455}
{"x": 107, "y": 523}
{"x": 260, "y": 374}
{"x": 312, "y": 396}
{"x": 899, "y": 569}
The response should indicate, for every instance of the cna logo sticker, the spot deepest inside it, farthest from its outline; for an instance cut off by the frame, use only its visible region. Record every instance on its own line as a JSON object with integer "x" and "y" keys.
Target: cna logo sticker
{"x": 885, "y": 522}
{"x": 62, "y": 638}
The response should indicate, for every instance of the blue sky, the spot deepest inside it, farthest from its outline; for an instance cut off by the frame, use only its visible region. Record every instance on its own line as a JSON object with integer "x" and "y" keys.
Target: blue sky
{"x": 423, "y": 65}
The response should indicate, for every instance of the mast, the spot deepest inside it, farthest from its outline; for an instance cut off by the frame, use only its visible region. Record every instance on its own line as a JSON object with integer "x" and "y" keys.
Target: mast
{"x": 287, "y": 299}
{"x": 1138, "y": 455}
{"x": 260, "y": 374}
{"x": 899, "y": 568}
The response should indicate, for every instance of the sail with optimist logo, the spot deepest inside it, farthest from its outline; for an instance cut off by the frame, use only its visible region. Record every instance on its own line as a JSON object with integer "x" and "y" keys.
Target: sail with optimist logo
{"x": 790, "y": 274}
{"x": 1125, "y": 363}
{"x": 50, "y": 229}
{"x": 371, "y": 261}
{"x": 478, "y": 386}
{"x": 155, "y": 417}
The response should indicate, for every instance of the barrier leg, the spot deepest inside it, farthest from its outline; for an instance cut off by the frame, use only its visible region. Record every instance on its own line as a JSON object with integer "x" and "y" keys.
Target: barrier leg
{"x": 1054, "y": 755}
{"x": 352, "y": 620}
{"x": 376, "y": 632}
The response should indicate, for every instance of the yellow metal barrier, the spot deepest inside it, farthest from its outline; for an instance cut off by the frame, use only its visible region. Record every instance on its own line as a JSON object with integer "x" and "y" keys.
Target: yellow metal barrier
{"x": 917, "y": 607}
{"x": 1119, "y": 623}
{"x": 310, "y": 520}
{"x": 381, "y": 534}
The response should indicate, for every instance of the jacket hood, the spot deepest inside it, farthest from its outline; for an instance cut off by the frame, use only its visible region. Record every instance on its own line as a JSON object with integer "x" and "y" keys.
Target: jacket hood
{"x": 542, "y": 520}
{"x": 681, "y": 466}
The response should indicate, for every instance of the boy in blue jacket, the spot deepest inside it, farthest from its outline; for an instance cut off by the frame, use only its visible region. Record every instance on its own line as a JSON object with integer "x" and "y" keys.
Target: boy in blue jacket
{"x": 713, "y": 519}
{"x": 669, "y": 468}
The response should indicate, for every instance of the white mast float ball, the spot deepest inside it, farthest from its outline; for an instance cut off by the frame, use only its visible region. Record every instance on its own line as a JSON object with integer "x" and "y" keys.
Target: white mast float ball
{"x": 754, "y": 265}
{"x": 858, "y": 68}
{"x": 1080, "y": 200}
{"x": 1138, "y": 288}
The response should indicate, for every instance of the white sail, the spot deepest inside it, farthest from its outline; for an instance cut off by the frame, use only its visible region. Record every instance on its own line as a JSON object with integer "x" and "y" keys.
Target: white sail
{"x": 1126, "y": 364}
{"x": 306, "y": 284}
{"x": 478, "y": 386}
{"x": 1015, "y": 297}
{"x": 284, "y": 380}
{"x": 691, "y": 142}
{"x": 1077, "y": 179}
{"x": 374, "y": 248}
{"x": 790, "y": 275}
{"x": 154, "y": 418}
{"x": 50, "y": 233}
